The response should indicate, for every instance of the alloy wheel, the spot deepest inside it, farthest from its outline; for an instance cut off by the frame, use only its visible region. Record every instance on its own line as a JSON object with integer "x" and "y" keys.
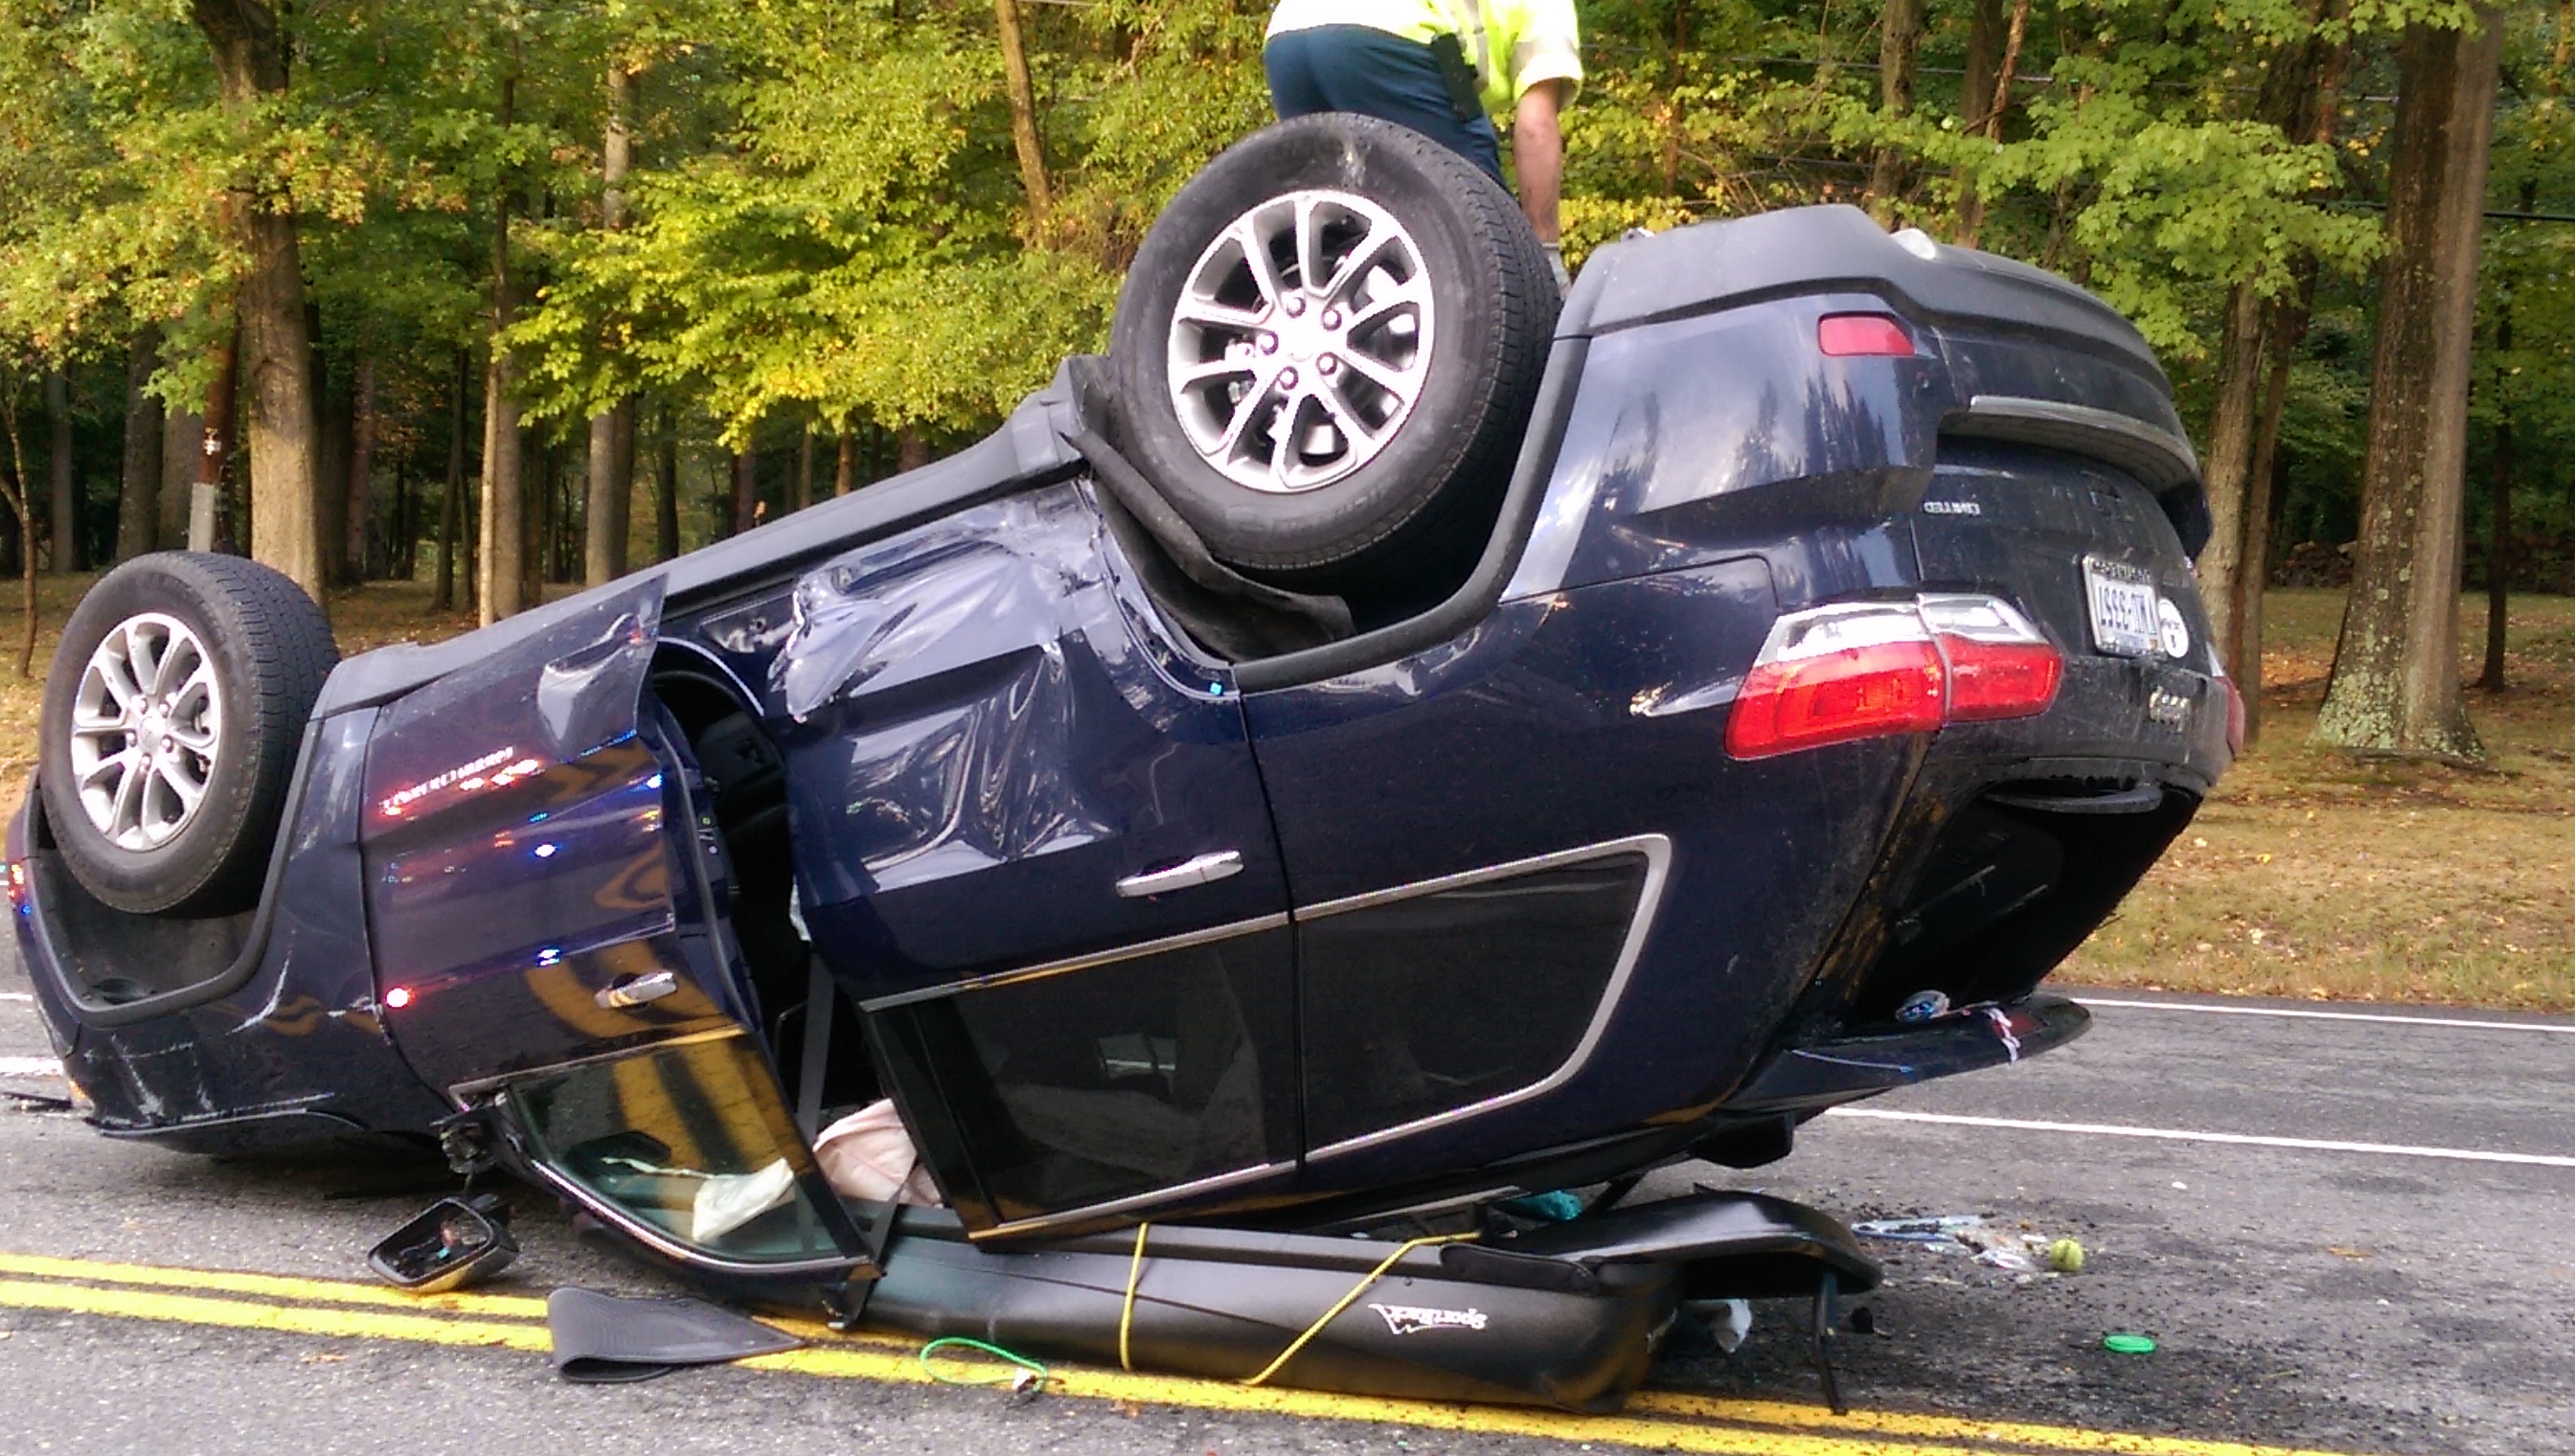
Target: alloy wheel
{"x": 1300, "y": 341}
{"x": 147, "y": 723}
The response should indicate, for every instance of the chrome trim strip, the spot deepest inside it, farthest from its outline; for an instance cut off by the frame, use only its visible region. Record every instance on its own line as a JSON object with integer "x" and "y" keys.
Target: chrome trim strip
{"x": 1139, "y": 1201}
{"x": 1658, "y": 849}
{"x": 2160, "y": 459}
{"x": 1080, "y": 962}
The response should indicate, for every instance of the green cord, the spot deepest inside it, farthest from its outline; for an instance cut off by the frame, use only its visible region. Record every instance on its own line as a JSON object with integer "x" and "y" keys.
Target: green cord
{"x": 1030, "y": 1375}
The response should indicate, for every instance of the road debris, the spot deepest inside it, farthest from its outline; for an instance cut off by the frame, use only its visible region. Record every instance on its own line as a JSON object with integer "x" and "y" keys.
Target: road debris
{"x": 2014, "y": 1251}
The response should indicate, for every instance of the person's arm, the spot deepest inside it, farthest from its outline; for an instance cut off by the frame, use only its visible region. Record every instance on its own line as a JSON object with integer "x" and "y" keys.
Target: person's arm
{"x": 1538, "y": 153}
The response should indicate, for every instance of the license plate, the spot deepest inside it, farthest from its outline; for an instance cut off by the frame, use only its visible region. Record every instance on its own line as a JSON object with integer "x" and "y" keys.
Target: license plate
{"x": 2123, "y": 608}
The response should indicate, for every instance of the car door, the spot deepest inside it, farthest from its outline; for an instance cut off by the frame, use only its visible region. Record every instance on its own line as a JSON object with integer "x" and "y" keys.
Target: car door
{"x": 550, "y": 939}
{"x": 1032, "y": 843}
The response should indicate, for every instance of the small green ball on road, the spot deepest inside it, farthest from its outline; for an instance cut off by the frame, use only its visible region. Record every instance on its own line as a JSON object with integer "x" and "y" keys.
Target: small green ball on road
{"x": 2065, "y": 1256}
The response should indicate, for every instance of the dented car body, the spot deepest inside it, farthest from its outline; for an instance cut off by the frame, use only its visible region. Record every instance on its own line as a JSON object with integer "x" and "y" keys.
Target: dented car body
{"x": 1806, "y": 671}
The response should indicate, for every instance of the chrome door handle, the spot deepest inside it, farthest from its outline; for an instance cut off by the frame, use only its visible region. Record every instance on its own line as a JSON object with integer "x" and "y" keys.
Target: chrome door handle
{"x": 636, "y": 990}
{"x": 1202, "y": 869}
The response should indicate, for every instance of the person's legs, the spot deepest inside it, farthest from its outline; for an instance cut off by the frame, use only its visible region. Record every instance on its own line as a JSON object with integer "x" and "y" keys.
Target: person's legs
{"x": 1290, "y": 60}
{"x": 1356, "y": 68}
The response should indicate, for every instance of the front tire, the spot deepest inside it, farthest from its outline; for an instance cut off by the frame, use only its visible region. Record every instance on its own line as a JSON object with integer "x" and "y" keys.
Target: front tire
{"x": 1328, "y": 347}
{"x": 173, "y": 713}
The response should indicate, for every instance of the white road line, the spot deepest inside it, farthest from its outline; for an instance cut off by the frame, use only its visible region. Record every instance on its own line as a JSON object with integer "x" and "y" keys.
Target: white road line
{"x": 2175, "y": 1134}
{"x": 30, "y": 1067}
{"x": 17, "y": 996}
{"x": 2561, "y": 1030}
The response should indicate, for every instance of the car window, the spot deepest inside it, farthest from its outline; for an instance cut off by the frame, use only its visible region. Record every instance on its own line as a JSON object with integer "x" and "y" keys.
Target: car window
{"x": 689, "y": 1139}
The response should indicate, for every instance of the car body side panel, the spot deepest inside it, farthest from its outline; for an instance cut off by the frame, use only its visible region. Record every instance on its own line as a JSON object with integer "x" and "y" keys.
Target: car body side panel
{"x": 521, "y": 857}
{"x": 297, "y": 1050}
{"x": 984, "y": 736}
{"x": 1701, "y": 438}
{"x": 1580, "y": 719}
{"x": 987, "y": 731}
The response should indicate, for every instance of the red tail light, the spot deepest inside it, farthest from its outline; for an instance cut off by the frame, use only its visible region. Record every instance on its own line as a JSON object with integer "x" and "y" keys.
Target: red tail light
{"x": 1858, "y": 670}
{"x": 2000, "y": 665}
{"x": 1867, "y": 669}
{"x": 1848, "y": 335}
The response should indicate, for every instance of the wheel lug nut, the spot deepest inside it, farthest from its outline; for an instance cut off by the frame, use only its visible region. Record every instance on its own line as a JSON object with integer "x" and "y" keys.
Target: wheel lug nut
{"x": 1327, "y": 365}
{"x": 1295, "y": 306}
{"x": 1332, "y": 318}
{"x": 1287, "y": 378}
{"x": 1268, "y": 343}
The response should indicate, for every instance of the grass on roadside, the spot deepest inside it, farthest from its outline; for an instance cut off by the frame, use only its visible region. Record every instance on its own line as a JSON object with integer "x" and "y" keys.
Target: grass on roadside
{"x": 2314, "y": 874}
{"x": 2309, "y": 873}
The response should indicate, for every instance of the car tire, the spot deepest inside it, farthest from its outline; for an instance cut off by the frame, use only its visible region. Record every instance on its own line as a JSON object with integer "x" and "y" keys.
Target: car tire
{"x": 173, "y": 713}
{"x": 1407, "y": 372}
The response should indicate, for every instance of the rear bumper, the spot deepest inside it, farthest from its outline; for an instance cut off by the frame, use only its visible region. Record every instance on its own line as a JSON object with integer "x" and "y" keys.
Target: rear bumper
{"x": 1847, "y": 1068}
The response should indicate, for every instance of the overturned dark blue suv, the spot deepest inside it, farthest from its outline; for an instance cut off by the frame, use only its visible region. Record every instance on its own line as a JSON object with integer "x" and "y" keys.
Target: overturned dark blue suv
{"x": 1377, "y": 742}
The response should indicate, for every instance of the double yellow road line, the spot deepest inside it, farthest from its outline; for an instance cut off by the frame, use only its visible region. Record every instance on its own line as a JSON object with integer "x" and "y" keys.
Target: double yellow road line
{"x": 1661, "y": 1420}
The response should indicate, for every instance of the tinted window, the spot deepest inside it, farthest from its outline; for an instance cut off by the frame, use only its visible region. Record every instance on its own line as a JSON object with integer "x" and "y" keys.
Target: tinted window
{"x": 1422, "y": 1005}
{"x": 690, "y": 1140}
{"x": 1059, "y": 1091}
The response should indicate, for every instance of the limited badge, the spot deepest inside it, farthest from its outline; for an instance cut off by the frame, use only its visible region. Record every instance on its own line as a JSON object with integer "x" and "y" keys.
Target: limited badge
{"x": 2171, "y": 633}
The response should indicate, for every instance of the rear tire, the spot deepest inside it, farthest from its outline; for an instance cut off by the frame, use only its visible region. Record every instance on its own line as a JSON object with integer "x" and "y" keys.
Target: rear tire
{"x": 1404, "y": 370}
{"x": 173, "y": 713}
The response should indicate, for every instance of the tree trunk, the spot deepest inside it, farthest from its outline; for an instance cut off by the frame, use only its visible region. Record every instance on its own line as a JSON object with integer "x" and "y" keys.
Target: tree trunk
{"x": 451, "y": 505}
{"x": 250, "y": 62}
{"x": 138, "y": 503}
{"x": 335, "y": 442}
{"x": 612, "y": 493}
{"x": 844, "y": 467}
{"x": 16, "y": 494}
{"x": 361, "y": 469}
{"x": 504, "y": 532}
{"x": 745, "y": 491}
{"x": 804, "y": 467}
{"x": 666, "y": 492}
{"x": 398, "y": 524}
{"x": 502, "y": 535}
{"x": 2288, "y": 325}
{"x": 2395, "y": 682}
{"x": 910, "y": 450}
{"x": 2227, "y": 471}
{"x": 538, "y": 566}
{"x": 1899, "y": 41}
{"x": 182, "y": 438}
{"x": 612, "y": 432}
{"x": 2236, "y": 490}
{"x": 1989, "y": 99}
{"x": 62, "y": 475}
{"x": 215, "y": 455}
{"x": 1985, "y": 21}
{"x": 1023, "y": 110}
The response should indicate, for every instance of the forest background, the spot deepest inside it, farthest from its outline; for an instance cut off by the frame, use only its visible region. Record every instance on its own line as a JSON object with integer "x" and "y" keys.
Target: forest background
{"x": 501, "y": 294}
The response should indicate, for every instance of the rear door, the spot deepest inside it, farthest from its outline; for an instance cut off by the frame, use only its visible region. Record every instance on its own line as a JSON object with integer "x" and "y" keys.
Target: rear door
{"x": 548, "y": 923}
{"x": 1032, "y": 843}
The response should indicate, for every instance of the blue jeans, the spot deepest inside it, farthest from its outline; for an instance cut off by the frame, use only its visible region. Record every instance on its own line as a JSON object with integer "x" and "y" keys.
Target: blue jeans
{"x": 1359, "y": 68}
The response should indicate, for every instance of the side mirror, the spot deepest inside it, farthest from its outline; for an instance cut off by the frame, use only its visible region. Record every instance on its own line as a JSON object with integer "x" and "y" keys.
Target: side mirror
{"x": 453, "y": 1244}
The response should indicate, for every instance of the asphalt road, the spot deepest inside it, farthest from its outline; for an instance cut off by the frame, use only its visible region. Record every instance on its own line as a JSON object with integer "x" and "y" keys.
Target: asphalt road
{"x": 2387, "y": 1292}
